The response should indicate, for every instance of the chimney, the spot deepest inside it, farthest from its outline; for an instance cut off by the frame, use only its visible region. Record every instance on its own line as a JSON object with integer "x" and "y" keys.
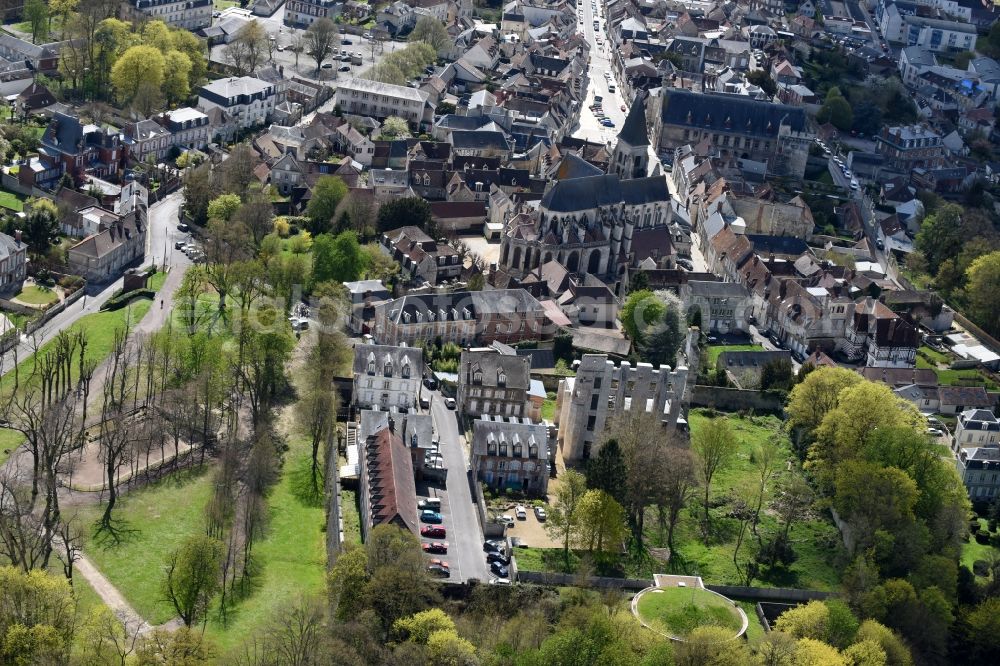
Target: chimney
{"x": 17, "y": 236}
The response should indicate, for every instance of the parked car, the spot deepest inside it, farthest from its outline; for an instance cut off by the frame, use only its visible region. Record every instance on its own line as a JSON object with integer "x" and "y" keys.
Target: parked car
{"x": 430, "y": 503}
{"x": 520, "y": 512}
{"x": 433, "y": 531}
{"x": 327, "y": 65}
{"x": 499, "y": 570}
{"x": 433, "y": 458}
{"x": 540, "y": 514}
{"x": 183, "y": 227}
{"x": 499, "y": 581}
{"x": 436, "y": 547}
{"x": 506, "y": 520}
{"x": 428, "y": 516}
{"x": 493, "y": 546}
{"x": 367, "y": 35}
{"x": 346, "y": 41}
{"x": 497, "y": 557}
{"x": 345, "y": 68}
{"x": 425, "y": 403}
{"x": 449, "y": 403}
{"x": 439, "y": 571}
{"x": 179, "y": 245}
{"x": 854, "y": 184}
{"x": 431, "y": 383}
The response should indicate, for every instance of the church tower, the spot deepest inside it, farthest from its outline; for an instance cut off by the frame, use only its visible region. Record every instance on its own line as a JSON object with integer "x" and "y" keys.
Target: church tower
{"x": 630, "y": 158}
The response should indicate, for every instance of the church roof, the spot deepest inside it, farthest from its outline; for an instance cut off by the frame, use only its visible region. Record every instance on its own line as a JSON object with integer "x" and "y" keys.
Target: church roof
{"x": 634, "y": 130}
{"x": 590, "y": 192}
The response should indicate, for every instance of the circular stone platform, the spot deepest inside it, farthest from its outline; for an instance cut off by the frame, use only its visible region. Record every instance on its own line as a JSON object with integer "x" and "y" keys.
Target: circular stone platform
{"x": 676, "y": 611}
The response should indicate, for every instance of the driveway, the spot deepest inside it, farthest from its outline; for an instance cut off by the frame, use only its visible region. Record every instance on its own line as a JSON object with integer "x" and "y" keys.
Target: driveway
{"x": 465, "y": 536}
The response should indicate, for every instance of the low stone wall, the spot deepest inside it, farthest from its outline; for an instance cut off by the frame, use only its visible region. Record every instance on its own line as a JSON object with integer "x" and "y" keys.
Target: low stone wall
{"x": 786, "y": 594}
{"x": 733, "y": 400}
{"x": 8, "y": 342}
{"x": 560, "y": 579}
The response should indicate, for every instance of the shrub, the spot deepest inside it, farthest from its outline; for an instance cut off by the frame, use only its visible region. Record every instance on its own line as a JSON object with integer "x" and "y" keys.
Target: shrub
{"x": 282, "y": 227}
{"x": 982, "y": 538}
{"x": 981, "y": 568}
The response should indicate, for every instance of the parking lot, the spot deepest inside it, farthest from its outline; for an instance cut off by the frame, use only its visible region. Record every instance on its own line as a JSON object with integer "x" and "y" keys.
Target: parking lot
{"x": 530, "y": 531}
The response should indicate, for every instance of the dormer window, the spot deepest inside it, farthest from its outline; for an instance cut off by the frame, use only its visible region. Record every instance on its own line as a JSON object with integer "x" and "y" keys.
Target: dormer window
{"x": 503, "y": 449}
{"x": 387, "y": 369}
{"x": 501, "y": 378}
{"x": 413, "y": 440}
{"x": 477, "y": 376}
{"x": 406, "y": 369}
{"x": 371, "y": 364}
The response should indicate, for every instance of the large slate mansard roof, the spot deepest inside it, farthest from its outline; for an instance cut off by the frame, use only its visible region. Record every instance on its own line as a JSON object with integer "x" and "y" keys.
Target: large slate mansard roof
{"x": 728, "y": 113}
{"x": 592, "y": 191}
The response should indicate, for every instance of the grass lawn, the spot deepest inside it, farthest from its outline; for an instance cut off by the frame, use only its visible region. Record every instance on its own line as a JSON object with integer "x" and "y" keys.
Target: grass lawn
{"x": 967, "y": 377}
{"x": 715, "y": 350}
{"x": 158, "y": 517}
{"x": 37, "y": 295}
{"x": 9, "y": 440}
{"x": 755, "y": 630}
{"x": 291, "y": 559}
{"x": 100, "y": 326}
{"x": 156, "y": 281}
{"x": 219, "y": 5}
{"x": 10, "y": 201}
{"x": 814, "y": 538}
{"x": 352, "y": 518}
{"x": 679, "y": 610}
{"x": 972, "y": 550}
{"x": 549, "y": 410}
{"x": 934, "y": 355}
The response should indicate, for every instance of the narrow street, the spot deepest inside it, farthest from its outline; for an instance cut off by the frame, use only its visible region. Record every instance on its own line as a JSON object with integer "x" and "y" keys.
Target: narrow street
{"x": 465, "y": 537}
{"x": 590, "y": 127}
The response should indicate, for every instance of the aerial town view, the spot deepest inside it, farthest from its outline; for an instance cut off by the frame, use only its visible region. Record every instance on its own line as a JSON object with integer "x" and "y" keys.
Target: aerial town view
{"x": 499, "y": 332}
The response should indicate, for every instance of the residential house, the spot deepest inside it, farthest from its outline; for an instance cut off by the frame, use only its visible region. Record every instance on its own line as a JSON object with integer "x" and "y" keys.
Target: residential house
{"x": 881, "y": 337}
{"x": 374, "y": 99}
{"x": 977, "y": 428}
{"x": 187, "y": 14}
{"x": 959, "y": 399}
{"x": 422, "y": 257}
{"x": 146, "y": 139}
{"x": 601, "y": 390}
{"x": 723, "y": 306}
{"x": 493, "y": 380}
{"x": 81, "y": 150}
{"x": 511, "y": 454}
{"x": 248, "y": 100}
{"x": 466, "y": 318}
{"x": 907, "y": 147}
{"x": 303, "y": 13}
{"x": 189, "y": 128}
{"x": 13, "y": 263}
{"x": 979, "y": 469}
{"x": 118, "y": 243}
{"x": 387, "y": 377}
{"x": 287, "y": 174}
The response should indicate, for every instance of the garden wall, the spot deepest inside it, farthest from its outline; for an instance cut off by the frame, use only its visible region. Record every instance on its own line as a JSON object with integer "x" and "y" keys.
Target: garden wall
{"x": 733, "y": 400}
{"x": 8, "y": 342}
{"x": 786, "y": 594}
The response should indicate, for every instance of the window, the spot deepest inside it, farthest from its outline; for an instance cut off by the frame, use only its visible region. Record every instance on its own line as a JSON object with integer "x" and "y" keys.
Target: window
{"x": 477, "y": 376}
{"x": 406, "y": 370}
{"x": 387, "y": 369}
{"x": 501, "y": 378}
{"x": 594, "y": 400}
{"x": 503, "y": 449}
{"x": 591, "y": 421}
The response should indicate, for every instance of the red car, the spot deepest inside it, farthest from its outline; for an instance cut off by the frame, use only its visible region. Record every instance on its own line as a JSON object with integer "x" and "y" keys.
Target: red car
{"x": 432, "y": 531}
{"x": 436, "y": 547}
{"x": 439, "y": 563}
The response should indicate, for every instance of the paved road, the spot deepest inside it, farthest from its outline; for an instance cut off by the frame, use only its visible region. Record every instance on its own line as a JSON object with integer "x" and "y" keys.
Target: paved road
{"x": 589, "y": 127}
{"x": 465, "y": 537}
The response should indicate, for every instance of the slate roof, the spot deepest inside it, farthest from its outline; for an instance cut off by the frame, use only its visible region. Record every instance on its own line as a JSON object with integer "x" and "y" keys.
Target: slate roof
{"x": 486, "y": 431}
{"x": 574, "y": 166}
{"x": 634, "y": 129}
{"x": 489, "y": 361}
{"x": 967, "y": 396}
{"x": 391, "y": 489}
{"x": 479, "y": 139}
{"x": 728, "y": 113}
{"x": 590, "y": 192}
{"x": 398, "y": 356}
